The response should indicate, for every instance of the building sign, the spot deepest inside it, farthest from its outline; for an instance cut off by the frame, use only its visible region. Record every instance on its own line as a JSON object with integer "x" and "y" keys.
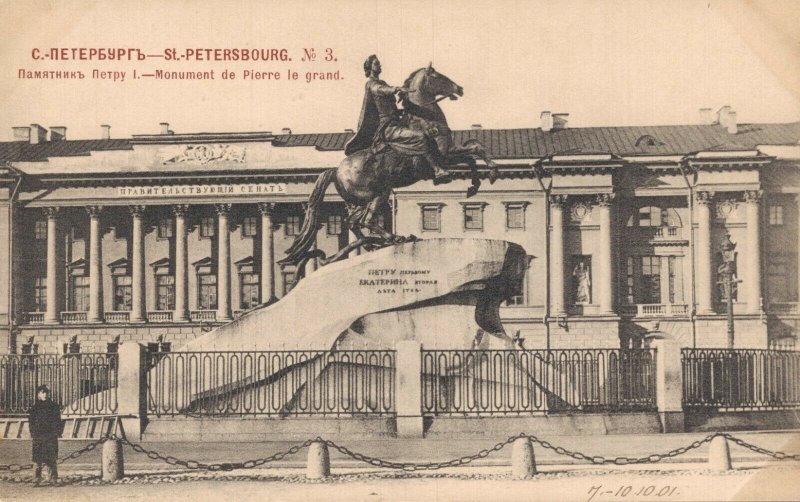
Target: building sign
{"x": 203, "y": 190}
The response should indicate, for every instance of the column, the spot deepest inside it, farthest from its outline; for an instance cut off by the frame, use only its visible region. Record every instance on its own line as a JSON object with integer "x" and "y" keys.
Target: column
{"x": 702, "y": 244}
{"x": 752, "y": 199}
{"x": 267, "y": 252}
{"x": 223, "y": 263}
{"x": 605, "y": 281}
{"x": 138, "y": 287}
{"x": 95, "y": 265}
{"x": 51, "y": 315}
{"x": 181, "y": 313}
{"x": 557, "y": 203}
{"x": 797, "y": 248}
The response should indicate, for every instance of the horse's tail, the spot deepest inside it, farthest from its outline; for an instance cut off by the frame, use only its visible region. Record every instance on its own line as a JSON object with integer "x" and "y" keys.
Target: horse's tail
{"x": 303, "y": 242}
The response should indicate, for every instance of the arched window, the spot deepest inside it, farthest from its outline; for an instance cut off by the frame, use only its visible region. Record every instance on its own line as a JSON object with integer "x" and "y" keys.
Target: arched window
{"x": 654, "y": 216}
{"x": 646, "y": 140}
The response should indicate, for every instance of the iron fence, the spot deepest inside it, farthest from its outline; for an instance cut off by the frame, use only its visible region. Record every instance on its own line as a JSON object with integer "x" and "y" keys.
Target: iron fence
{"x": 83, "y": 384}
{"x": 515, "y": 382}
{"x": 275, "y": 383}
{"x": 740, "y": 379}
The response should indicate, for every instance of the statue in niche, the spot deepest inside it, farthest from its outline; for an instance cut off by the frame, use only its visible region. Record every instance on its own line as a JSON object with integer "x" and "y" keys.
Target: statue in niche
{"x": 582, "y": 281}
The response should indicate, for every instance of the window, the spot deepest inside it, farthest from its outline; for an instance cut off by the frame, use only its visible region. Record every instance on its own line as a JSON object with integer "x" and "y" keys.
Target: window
{"x": 207, "y": 227}
{"x": 473, "y": 217}
{"x": 40, "y": 230}
{"x": 40, "y": 294}
{"x": 165, "y": 292}
{"x": 775, "y": 215}
{"x": 289, "y": 281}
{"x": 293, "y": 225}
{"x": 249, "y": 226}
{"x": 122, "y": 292}
{"x": 650, "y": 216}
{"x": 651, "y": 279}
{"x": 334, "y": 224}
{"x": 431, "y": 218}
{"x": 249, "y": 289}
{"x": 629, "y": 281}
{"x": 778, "y": 279}
{"x": 78, "y": 232}
{"x": 207, "y": 291}
{"x": 165, "y": 230}
{"x": 79, "y": 293}
{"x": 515, "y": 216}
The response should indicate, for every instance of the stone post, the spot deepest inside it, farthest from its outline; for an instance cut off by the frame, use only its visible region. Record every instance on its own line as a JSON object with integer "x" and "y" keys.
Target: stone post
{"x": 523, "y": 462}
{"x": 669, "y": 384}
{"x": 181, "y": 313}
{"x": 224, "y": 312}
{"x": 604, "y": 267}
{"x": 719, "y": 454}
{"x": 267, "y": 252}
{"x": 51, "y": 315}
{"x": 138, "y": 288}
{"x": 557, "y": 203}
{"x": 702, "y": 243}
{"x": 409, "y": 389}
{"x": 753, "y": 251}
{"x": 95, "y": 266}
{"x": 319, "y": 461}
{"x": 113, "y": 468}
{"x": 130, "y": 391}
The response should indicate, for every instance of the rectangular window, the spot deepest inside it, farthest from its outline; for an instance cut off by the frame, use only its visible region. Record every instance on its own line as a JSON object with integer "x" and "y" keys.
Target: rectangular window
{"x": 207, "y": 291}
{"x": 40, "y": 230}
{"x": 775, "y": 215}
{"x": 288, "y": 281}
{"x": 650, "y": 216}
{"x": 515, "y": 217}
{"x": 473, "y": 217}
{"x": 778, "y": 279}
{"x": 293, "y": 225}
{"x": 165, "y": 229}
{"x": 431, "y": 218}
{"x": 78, "y": 233}
{"x": 40, "y": 294}
{"x": 207, "y": 227}
{"x": 79, "y": 293}
{"x": 249, "y": 226}
{"x": 122, "y": 292}
{"x": 249, "y": 290}
{"x": 651, "y": 279}
{"x": 334, "y": 224}
{"x": 671, "y": 271}
{"x": 629, "y": 282}
{"x": 165, "y": 292}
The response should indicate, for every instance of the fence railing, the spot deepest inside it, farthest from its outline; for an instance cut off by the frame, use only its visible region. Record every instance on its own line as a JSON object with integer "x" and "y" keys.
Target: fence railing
{"x": 83, "y": 384}
{"x": 496, "y": 382}
{"x": 277, "y": 383}
{"x": 743, "y": 379}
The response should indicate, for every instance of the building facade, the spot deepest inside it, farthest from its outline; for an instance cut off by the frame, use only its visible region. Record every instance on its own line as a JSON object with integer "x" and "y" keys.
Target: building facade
{"x": 158, "y": 238}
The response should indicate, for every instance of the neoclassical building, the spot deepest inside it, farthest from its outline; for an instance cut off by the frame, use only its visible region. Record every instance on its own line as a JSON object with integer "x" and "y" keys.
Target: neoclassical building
{"x": 160, "y": 237}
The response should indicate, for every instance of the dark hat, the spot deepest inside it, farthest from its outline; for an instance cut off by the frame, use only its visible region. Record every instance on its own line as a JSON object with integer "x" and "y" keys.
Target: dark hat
{"x": 42, "y": 388}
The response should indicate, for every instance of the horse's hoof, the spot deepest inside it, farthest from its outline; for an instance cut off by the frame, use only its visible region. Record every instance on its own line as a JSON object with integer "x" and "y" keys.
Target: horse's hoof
{"x": 493, "y": 175}
{"x": 471, "y": 191}
{"x": 442, "y": 179}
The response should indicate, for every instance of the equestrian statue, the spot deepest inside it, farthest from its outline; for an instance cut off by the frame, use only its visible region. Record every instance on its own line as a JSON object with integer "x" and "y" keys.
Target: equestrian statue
{"x": 392, "y": 148}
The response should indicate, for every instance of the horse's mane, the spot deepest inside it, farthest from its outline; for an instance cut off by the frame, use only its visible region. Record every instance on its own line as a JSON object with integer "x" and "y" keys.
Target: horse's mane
{"x": 407, "y": 83}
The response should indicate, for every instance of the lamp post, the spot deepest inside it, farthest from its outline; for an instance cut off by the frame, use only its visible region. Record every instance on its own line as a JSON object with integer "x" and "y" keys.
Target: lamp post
{"x": 726, "y": 272}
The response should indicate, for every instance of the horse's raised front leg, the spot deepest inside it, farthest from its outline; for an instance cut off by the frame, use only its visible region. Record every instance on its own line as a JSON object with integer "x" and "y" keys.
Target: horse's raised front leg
{"x": 475, "y": 148}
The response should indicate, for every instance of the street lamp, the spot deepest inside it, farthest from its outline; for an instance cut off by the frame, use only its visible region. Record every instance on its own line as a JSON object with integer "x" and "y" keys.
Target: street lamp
{"x": 726, "y": 271}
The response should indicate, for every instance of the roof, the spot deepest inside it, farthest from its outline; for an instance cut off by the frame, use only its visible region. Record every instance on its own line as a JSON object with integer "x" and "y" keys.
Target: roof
{"x": 500, "y": 143}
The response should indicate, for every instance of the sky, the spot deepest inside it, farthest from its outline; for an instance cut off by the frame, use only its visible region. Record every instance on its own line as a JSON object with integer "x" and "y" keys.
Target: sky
{"x": 610, "y": 63}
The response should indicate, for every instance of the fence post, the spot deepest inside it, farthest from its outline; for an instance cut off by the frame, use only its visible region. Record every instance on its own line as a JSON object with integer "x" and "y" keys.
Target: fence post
{"x": 669, "y": 384}
{"x": 113, "y": 467}
{"x": 130, "y": 390}
{"x": 409, "y": 389}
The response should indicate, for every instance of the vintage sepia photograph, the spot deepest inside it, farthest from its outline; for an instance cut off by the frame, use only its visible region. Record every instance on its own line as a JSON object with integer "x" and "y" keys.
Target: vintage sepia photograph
{"x": 400, "y": 250}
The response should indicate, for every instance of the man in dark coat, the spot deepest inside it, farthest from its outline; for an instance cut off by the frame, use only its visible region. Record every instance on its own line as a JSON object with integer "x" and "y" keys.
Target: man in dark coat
{"x": 45, "y": 427}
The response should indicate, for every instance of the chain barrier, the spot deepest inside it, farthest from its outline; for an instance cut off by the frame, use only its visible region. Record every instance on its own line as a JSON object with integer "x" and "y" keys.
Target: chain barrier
{"x": 409, "y": 466}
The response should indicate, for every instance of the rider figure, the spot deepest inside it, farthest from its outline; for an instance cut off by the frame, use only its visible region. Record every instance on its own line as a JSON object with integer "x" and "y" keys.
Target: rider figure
{"x": 380, "y": 123}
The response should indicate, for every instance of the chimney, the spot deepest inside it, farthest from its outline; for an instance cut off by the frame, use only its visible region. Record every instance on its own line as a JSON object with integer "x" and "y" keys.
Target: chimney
{"x": 722, "y": 115}
{"x": 164, "y": 127}
{"x": 21, "y": 133}
{"x": 731, "y": 126}
{"x": 105, "y": 131}
{"x": 477, "y": 127}
{"x": 560, "y": 120}
{"x": 706, "y": 116}
{"x": 286, "y": 130}
{"x": 38, "y": 134}
{"x": 547, "y": 121}
{"x": 58, "y": 133}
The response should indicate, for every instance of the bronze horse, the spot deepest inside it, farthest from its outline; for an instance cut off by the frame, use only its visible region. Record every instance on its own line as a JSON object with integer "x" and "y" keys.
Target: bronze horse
{"x": 365, "y": 179}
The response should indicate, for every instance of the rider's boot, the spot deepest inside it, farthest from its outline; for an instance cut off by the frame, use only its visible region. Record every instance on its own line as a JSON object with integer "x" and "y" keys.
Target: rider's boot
{"x": 440, "y": 176}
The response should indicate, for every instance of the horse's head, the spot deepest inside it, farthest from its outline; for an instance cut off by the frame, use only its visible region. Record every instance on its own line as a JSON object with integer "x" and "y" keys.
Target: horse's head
{"x": 429, "y": 83}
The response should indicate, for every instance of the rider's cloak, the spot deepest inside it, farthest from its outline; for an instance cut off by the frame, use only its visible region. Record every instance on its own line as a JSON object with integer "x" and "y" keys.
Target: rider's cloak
{"x": 368, "y": 123}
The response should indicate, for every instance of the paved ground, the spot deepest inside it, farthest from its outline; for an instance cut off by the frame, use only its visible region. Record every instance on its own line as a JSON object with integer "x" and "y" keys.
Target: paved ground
{"x": 680, "y": 482}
